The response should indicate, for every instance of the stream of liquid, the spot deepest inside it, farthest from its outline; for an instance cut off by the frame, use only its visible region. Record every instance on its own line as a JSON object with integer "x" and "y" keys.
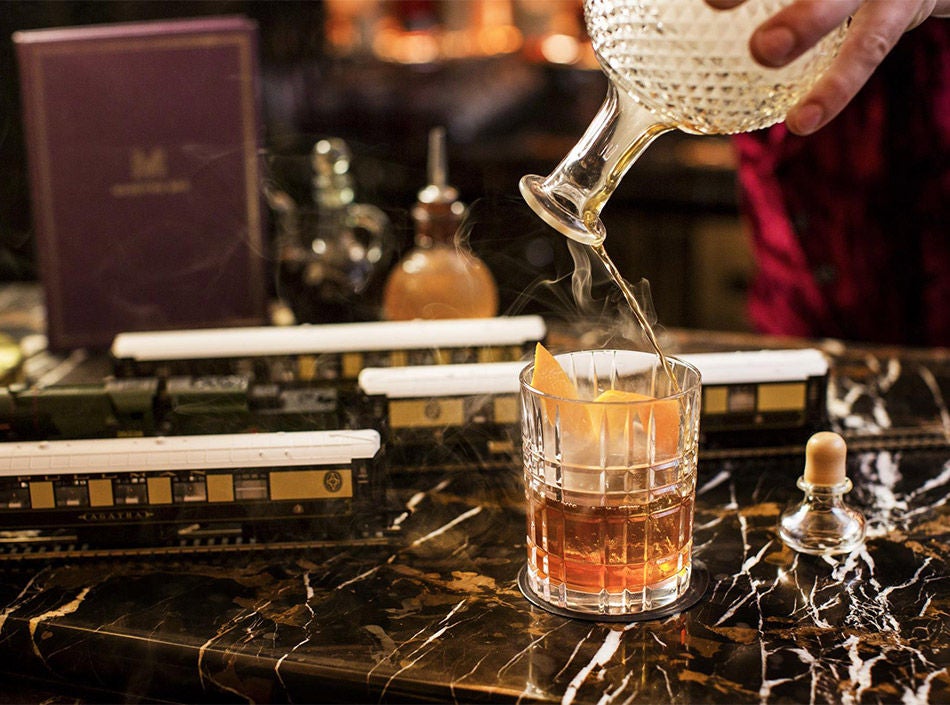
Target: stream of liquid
{"x": 637, "y": 311}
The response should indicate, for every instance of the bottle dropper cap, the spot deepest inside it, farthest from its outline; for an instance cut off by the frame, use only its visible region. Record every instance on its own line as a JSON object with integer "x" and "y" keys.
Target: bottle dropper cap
{"x": 825, "y": 456}
{"x": 437, "y": 168}
{"x": 438, "y": 213}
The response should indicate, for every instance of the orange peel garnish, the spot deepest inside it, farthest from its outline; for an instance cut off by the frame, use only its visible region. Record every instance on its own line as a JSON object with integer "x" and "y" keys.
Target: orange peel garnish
{"x": 662, "y": 416}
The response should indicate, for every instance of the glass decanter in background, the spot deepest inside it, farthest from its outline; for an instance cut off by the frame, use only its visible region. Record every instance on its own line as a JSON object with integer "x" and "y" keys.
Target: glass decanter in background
{"x": 329, "y": 251}
{"x": 671, "y": 64}
{"x": 440, "y": 277}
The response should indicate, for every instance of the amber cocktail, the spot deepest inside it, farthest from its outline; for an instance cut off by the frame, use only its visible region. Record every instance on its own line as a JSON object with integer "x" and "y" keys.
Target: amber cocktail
{"x": 610, "y": 450}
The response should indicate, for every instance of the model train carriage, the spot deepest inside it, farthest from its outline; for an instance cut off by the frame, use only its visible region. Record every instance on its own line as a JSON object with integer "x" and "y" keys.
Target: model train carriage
{"x": 113, "y": 408}
{"x": 324, "y": 353}
{"x": 161, "y": 491}
{"x": 443, "y": 415}
{"x": 762, "y": 398}
{"x": 175, "y": 406}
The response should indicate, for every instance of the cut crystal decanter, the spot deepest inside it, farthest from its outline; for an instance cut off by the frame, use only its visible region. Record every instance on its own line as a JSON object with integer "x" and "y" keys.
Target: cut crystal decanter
{"x": 671, "y": 64}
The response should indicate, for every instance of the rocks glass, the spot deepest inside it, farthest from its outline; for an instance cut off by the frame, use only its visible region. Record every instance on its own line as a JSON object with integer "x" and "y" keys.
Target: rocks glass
{"x": 610, "y": 487}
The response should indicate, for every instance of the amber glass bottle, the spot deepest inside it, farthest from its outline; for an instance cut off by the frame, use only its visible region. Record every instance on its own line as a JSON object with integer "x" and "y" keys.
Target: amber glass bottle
{"x": 440, "y": 277}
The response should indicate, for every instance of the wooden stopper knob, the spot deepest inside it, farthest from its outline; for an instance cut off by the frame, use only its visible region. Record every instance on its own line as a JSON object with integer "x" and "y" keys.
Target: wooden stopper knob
{"x": 825, "y": 456}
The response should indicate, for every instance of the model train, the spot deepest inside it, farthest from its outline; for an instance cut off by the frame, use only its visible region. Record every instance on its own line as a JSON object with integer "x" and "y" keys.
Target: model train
{"x": 324, "y": 353}
{"x": 159, "y": 460}
{"x": 246, "y": 488}
{"x": 755, "y": 398}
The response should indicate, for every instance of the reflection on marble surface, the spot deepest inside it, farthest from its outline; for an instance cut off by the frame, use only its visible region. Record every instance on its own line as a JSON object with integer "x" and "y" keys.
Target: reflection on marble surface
{"x": 436, "y": 614}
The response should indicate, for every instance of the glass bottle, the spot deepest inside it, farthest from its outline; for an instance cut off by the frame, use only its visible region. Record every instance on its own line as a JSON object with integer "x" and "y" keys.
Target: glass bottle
{"x": 330, "y": 250}
{"x": 822, "y": 523}
{"x": 440, "y": 277}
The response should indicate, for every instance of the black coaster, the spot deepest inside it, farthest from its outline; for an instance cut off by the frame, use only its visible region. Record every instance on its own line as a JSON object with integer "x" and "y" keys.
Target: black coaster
{"x": 698, "y": 582}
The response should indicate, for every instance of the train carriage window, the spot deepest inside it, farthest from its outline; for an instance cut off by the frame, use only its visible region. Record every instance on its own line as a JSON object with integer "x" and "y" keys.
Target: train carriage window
{"x": 742, "y": 398}
{"x": 17, "y": 497}
{"x": 130, "y": 493}
{"x": 249, "y": 488}
{"x": 190, "y": 490}
{"x": 71, "y": 495}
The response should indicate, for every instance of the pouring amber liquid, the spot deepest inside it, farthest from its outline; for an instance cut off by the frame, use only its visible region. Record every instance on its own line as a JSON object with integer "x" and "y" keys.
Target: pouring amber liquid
{"x": 672, "y": 64}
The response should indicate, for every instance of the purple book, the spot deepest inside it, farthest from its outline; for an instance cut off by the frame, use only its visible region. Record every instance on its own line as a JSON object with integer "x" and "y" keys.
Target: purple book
{"x": 143, "y": 144}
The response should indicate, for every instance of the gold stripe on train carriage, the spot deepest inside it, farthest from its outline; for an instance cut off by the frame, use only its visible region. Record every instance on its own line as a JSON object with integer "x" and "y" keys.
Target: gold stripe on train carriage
{"x": 159, "y": 490}
{"x": 220, "y": 487}
{"x": 41, "y": 495}
{"x": 310, "y": 484}
{"x": 100, "y": 493}
{"x": 491, "y": 353}
{"x": 306, "y": 367}
{"x": 352, "y": 363}
{"x": 715, "y": 400}
{"x": 506, "y": 409}
{"x": 426, "y": 413}
{"x": 784, "y": 396}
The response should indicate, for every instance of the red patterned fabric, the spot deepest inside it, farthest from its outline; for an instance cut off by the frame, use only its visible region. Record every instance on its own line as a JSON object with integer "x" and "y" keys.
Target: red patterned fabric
{"x": 849, "y": 226}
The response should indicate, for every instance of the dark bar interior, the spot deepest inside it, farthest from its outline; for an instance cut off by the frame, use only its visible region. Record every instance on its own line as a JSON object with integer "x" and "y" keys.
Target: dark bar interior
{"x": 301, "y": 400}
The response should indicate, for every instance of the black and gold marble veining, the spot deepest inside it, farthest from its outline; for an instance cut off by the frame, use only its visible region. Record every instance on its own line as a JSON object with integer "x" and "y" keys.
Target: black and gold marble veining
{"x": 436, "y": 613}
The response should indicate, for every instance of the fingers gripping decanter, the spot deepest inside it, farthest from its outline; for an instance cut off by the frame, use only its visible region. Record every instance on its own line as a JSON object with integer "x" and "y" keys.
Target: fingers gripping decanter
{"x": 671, "y": 64}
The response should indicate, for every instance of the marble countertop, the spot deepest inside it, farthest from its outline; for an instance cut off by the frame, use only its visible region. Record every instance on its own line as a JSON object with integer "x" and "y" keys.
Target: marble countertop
{"x": 436, "y": 615}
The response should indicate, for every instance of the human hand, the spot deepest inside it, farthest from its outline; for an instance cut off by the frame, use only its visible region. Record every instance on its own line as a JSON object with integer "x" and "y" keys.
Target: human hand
{"x": 876, "y": 26}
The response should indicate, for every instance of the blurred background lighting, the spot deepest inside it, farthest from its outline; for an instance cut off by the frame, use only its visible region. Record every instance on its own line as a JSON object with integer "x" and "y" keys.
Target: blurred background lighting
{"x": 560, "y": 49}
